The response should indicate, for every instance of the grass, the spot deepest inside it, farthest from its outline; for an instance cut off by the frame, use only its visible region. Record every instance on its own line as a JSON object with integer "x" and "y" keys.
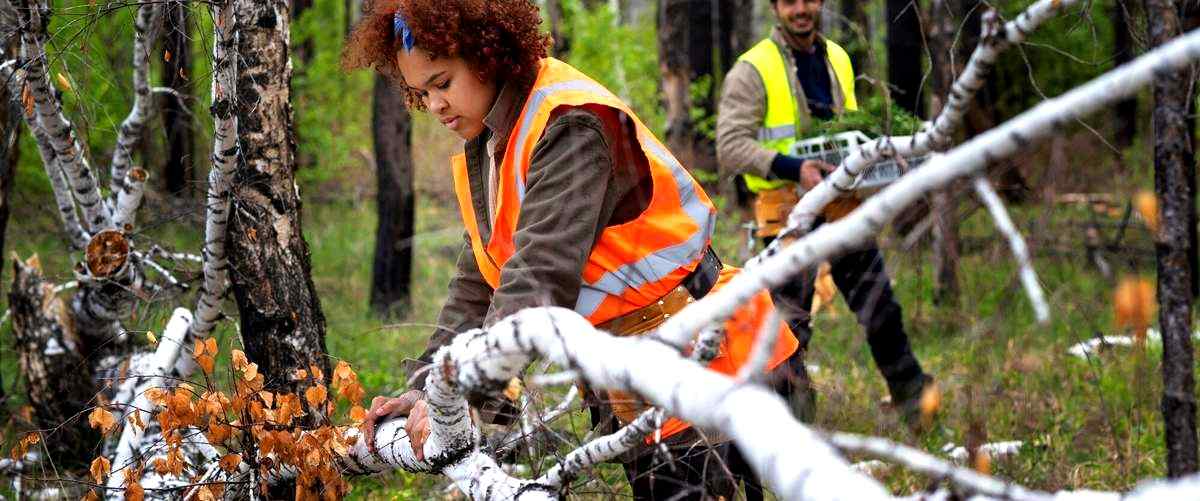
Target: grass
{"x": 1086, "y": 423}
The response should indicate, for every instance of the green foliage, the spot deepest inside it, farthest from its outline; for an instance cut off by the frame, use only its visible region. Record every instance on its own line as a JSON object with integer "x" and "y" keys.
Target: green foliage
{"x": 1064, "y": 53}
{"x": 621, "y": 57}
{"x": 874, "y": 118}
{"x": 703, "y": 120}
{"x": 332, "y": 122}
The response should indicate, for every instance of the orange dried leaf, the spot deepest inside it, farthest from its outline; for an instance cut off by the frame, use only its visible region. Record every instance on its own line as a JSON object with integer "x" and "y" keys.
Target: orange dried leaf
{"x": 358, "y": 414}
{"x": 513, "y": 389}
{"x": 166, "y": 55}
{"x": 90, "y": 496}
{"x": 218, "y": 433}
{"x": 315, "y": 395}
{"x": 239, "y": 359}
{"x": 205, "y": 494}
{"x": 931, "y": 401}
{"x": 99, "y": 469}
{"x": 251, "y": 372}
{"x": 18, "y": 451}
{"x": 210, "y": 346}
{"x": 300, "y": 374}
{"x": 1134, "y": 304}
{"x": 983, "y": 462}
{"x": 134, "y": 492}
{"x": 157, "y": 396}
{"x": 102, "y": 419}
{"x": 1147, "y": 206}
{"x": 230, "y": 462}
{"x": 268, "y": 398}
{"x": 135, "y": 419}
{"x": 198, "y": 348}
{"x": 206, "y": 363}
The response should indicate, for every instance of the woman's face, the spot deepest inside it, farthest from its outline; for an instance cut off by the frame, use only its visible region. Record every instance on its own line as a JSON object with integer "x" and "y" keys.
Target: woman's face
{"x": 451, "y": 91}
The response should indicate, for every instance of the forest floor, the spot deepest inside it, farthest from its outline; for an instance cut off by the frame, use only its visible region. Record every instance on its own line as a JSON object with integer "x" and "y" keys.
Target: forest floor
{"x": 1089, "y": 423}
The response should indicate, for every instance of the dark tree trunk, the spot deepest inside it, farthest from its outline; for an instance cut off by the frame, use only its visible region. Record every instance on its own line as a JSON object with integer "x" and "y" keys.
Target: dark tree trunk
{"x": 904, "y": 54}
{"x": 58, "y": 378}
{"x": 1125, "y": 112}
{"x": 178, "y": 172}
{"x": 558, "y": 28}
{"x": 686, "y": 55}
{"x": 283, "y": 328}
{"x": 734, "y": 33}
{"x": 944, "y": 206}
{"x": 1174, "y": 179}
{"x": 10, "y": 132}
{"x": 858, "y": 35}
{"x": 1191, "y": 21}
{"x": 392, "y": 272}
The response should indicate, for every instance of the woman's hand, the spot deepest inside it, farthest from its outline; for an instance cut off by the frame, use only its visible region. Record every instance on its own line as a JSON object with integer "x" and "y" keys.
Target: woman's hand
{"x": 411, "y": 404}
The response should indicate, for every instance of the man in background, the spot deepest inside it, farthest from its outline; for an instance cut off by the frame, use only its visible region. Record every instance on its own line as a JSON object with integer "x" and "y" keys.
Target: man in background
{"x": 771, "y": 97}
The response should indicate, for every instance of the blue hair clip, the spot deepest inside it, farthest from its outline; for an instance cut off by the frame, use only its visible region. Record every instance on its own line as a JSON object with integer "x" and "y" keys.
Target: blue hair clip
{"x": 401, "y": 30}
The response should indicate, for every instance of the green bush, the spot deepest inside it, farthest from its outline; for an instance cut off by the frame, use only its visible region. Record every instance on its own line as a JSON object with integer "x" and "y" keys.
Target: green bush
{"x": 623, "y": 58}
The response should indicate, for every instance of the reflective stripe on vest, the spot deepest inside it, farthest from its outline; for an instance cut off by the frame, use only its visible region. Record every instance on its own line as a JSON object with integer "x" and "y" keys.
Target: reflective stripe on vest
{"x": 780, "y": 129}
{"x": 632, "y": 264}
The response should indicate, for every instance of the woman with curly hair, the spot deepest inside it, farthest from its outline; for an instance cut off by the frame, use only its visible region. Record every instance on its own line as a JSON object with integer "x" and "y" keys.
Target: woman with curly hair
{"x": 568, "y": 200}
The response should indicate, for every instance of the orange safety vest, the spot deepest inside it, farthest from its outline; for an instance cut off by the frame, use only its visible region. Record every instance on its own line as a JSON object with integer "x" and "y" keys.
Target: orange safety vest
{"x": 632, "y": 264}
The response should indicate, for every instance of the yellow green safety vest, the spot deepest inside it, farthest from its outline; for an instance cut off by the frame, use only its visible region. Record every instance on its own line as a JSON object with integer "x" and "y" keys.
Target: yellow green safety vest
{"x": 781, "y": 126}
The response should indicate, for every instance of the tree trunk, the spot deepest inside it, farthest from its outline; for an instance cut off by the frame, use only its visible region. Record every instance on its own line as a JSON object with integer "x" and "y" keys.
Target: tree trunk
{"x": 283, "y": 328}
{"x": 10, "y": 129}
{"x": 392, "y": 273}
{"x": 735, "y": 34}
{"x": 858, "y": 35}
{"x": 1190, "y": 12}
{"x": 944, "y": 206}
{"x": 558, "y": 28}
{"x": 904, "y": 55}
{"x": 686, "y": 53}
{"x": 1125, "y": 112}
{"x": 178, "y": 172}
{"x": 58, "y": 377}
{"x": 1174, "y": 179}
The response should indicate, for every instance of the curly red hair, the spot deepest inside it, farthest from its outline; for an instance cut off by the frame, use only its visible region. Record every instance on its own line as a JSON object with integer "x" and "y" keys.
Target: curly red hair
{"x": 499, "y": 39}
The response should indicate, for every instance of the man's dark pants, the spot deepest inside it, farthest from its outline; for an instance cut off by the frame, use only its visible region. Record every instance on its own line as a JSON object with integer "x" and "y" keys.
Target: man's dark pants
{"x": 864, "y": 283}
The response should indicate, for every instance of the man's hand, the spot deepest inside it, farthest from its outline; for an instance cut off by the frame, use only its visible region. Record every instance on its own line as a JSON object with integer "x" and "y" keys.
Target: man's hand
{"x": 812, "y": 172}
{"x": 411, "y": 404}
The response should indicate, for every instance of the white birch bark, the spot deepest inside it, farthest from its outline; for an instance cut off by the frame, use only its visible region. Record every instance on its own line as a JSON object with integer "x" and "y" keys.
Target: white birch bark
{"x": 224, "y": 158}
{"x": 132, "y": 395}
{"x": 130, "y": 198}
{"x": 1033, "y": 288}
{"x": 59, "y": 130}
{"x": 135, "y": 123}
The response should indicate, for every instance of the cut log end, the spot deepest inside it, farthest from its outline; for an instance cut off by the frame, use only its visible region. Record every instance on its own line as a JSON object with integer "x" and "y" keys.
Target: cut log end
{"x": 107, "y": 253}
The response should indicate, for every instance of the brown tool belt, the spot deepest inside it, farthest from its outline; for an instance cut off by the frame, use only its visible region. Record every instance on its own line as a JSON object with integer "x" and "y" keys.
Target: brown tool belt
{"x": 626, "y": 406}
{"x": 771, "y": 209}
